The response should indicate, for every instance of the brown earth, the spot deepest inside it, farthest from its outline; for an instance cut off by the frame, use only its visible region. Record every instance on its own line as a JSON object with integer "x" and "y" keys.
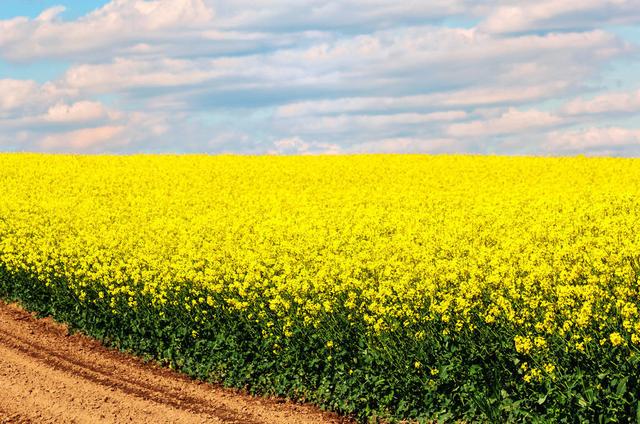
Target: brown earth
{"x": 50, "y": 376}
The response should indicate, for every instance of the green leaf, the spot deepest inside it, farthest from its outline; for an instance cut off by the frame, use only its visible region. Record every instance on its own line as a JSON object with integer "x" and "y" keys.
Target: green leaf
{"x": 622, "y": 386}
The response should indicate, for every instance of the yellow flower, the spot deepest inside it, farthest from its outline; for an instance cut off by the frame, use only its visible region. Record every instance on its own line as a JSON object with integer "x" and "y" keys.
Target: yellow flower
{"x": 616, "y": 339}
{"x": 549, "y": 368}
{"x": 523, "y": 344}
{"x": 540, "y": 342}
{"x": 534, "y": 375}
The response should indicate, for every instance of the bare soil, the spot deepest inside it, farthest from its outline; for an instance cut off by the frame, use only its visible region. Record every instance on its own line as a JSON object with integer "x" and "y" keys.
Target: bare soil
{"x": 48, "y": 375}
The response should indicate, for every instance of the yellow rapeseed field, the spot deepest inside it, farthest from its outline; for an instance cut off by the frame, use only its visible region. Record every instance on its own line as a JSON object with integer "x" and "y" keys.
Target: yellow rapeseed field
{"x": 411, "y": 255}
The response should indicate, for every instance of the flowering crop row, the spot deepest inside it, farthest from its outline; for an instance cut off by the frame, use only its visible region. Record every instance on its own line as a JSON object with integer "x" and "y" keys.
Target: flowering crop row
{"x": 413, "y": 287}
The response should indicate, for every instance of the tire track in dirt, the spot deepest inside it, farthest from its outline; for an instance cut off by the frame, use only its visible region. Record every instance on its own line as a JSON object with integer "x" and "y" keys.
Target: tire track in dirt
{"x": 6, "y": 418}
{"x": 47, "y": 375}
{"x": 96, "y": 376}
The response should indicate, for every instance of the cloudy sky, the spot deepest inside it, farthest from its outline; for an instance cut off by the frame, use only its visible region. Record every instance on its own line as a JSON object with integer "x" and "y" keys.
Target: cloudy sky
{"x": 545, "y": 77}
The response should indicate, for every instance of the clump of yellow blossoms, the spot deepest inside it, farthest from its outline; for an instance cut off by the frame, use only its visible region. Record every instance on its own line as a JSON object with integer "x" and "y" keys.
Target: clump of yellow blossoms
{"x": 616, "y": 339}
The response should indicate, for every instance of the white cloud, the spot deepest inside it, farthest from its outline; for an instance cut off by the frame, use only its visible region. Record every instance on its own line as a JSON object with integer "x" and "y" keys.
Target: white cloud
{"x": 369, "y": 123}
{"x": 50, "y": 14}
{"x": 602, "y": 141}
{"x": 483, "y": 68}
{"x": 22, "y": 98}
{"x": 510, "y": 122}
{"x": 119, "y": 22}
{"x": 16, "y": 93}
{"x": 63, "y": 116}
{"x": 85, "y": 139}
{"x": 607, "y": 103}
{"x": 84, "y": 128}
{"x": 296, "y": 145}
{"x": 124, "y": 74}
{"x": 332, "y": 14}
{"x": 315, "y": 76}
{"x": 554, "y": 15}
{"x": 410, "y": 145}
{"x": 151, "y": 27}
{"x": 481, "y": 96}
{"x": 81, "y": 111}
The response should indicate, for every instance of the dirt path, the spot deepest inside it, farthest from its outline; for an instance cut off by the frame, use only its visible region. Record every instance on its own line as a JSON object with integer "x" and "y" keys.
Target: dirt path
{"x": 48, "y": 376}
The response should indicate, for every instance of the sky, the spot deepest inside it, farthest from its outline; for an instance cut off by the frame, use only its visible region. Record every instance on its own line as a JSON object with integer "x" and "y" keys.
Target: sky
{"x": 545, "y": 77}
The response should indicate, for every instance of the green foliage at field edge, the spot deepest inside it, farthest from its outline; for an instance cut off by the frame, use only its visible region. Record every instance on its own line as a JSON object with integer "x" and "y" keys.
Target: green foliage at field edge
{"x": 475, "y": 377}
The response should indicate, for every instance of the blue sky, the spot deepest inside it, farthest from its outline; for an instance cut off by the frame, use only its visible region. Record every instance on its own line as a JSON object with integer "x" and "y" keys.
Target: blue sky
{"x": 320, "y": 77}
